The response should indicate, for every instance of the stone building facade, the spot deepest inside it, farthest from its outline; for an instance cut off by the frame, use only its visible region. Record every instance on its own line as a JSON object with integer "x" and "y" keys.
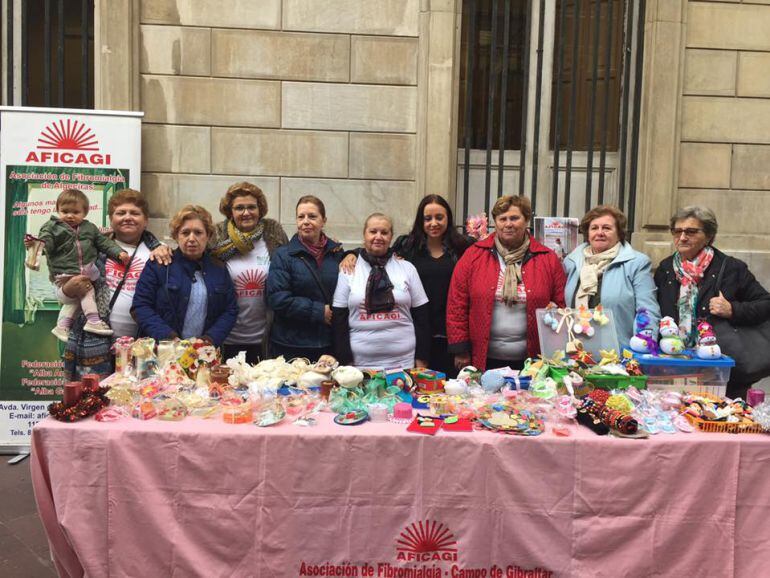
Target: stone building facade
{"x": 356, "y": 101}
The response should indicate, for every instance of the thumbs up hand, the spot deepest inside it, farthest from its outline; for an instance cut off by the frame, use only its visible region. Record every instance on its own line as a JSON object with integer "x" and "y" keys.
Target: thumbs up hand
{"x": 720, "y": 307}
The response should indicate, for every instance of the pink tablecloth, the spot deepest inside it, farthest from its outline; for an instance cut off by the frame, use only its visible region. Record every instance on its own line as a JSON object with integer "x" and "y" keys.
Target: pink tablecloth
{"x": 204, "y": 498}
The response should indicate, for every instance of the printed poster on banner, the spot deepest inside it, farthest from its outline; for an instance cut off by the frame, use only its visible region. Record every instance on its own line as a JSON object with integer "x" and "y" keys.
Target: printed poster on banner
{"x": 42, "y": 152}
{"x": 557, "y": 233}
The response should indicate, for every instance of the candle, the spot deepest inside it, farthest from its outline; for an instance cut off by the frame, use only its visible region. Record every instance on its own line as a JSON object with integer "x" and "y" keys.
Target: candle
{"x": 755, "y": 397}
{"x": 72, "y": 392}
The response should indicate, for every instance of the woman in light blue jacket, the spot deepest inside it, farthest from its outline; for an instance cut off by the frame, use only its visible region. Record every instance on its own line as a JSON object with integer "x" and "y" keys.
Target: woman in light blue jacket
{"x": 606, "y": 270}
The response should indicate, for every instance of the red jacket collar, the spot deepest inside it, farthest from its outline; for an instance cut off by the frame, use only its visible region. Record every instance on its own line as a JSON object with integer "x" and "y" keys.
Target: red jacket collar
{"x": 534, "y": 245}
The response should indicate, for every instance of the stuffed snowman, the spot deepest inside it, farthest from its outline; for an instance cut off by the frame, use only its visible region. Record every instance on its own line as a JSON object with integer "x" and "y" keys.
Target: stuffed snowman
{"x": 707, "y": 348}
{"x": 670, "y": 342}
{"x": 643, "y": 340}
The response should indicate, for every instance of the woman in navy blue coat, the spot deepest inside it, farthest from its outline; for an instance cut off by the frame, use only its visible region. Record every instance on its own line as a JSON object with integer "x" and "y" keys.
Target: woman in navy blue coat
{"x": 194, "y": 295}
{"x": 300, "y": 286}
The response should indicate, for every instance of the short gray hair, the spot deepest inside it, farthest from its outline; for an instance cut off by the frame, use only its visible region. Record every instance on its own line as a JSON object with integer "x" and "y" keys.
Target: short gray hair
{"x": 705, "y": 215}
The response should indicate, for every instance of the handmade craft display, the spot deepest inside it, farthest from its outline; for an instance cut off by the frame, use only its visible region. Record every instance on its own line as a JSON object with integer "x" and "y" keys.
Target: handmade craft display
{"x": 670, "y": 341}
{"x": 643, "y": 340}
{"x": 707, "y": 347}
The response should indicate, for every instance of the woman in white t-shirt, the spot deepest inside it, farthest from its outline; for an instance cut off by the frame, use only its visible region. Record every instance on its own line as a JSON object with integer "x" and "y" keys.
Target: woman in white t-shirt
{"x": 380, "y": 311}
{"x": 245, "y": 241}
{"x": 90, "y": 353}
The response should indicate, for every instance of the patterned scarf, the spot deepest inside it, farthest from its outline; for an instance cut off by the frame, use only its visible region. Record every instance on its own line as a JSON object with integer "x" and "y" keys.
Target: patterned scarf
{"x": 513, "y": 259}
{"x": 379, "y": 289}
{"x": 316, "y": 249}
{"x": 232, "y": 242}
{"x": 593, "y": 267}
{"x": 689, "y": 275}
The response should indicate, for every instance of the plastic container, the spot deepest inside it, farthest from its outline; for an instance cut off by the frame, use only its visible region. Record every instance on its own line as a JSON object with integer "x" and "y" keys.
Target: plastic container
{"x": 605, "y": 336}
{"x": 692, "y": 375}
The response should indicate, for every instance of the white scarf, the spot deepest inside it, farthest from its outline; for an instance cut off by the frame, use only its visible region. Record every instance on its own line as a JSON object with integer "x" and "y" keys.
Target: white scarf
{"x": 594, "y": 265}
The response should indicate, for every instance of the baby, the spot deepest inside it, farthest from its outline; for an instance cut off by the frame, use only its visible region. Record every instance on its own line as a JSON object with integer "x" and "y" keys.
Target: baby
{"x": 72, "y": 245}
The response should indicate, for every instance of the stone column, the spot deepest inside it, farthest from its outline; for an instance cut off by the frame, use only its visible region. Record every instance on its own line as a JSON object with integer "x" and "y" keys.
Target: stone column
{"x": 439, "y": 51}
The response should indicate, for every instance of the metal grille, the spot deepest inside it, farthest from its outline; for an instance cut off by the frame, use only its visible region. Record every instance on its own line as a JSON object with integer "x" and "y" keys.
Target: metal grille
{"x": 52, "y": 64}
{"x": 549, "y": 103}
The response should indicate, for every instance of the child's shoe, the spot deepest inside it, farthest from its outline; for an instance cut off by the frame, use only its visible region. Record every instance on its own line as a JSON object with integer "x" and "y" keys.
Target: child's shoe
{"x": 61, "y": 333}
{"x": 100, "y": 328}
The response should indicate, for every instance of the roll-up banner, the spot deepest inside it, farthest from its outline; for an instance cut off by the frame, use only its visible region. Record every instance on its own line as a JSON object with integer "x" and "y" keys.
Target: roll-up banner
{"x": 42, "y": 152}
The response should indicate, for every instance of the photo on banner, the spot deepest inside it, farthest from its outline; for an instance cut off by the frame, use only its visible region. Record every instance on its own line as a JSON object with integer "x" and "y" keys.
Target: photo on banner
{"x": 45, "y": 151}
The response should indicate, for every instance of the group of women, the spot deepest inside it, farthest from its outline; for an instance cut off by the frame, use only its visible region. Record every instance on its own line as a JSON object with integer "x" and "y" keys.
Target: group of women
{"x": 434, "y": 298}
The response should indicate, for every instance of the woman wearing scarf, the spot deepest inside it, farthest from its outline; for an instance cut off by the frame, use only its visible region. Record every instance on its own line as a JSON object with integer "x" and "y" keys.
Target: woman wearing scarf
{"x": 380, "y": 311}
{"x": 300, "y": 285}
{"x": 245, "y": 242}
{"x": 687, "y": 283}
{"x": 606, "y": 270}
{"x": 496, "y": 287}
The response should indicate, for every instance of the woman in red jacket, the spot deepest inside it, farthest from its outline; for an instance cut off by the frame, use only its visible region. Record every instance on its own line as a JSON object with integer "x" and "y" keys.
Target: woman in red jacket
{"x": 496, "y": 287}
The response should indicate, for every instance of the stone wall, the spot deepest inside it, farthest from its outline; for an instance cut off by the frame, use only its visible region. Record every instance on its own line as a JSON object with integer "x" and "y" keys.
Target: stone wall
{"x": 298, "y": 96}
{"x": 706, "y": 123}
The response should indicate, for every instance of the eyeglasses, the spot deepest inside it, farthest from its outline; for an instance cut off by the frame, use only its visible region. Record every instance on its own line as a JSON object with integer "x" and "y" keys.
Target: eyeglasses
{"x": 685, "y": 232}
{"x": 244, "y": 208}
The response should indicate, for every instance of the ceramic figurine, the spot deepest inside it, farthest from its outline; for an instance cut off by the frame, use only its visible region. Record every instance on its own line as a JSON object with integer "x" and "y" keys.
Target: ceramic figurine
{"x": 707, "y": 348}
{"x": 643, "y": 340}
{"x": 670, "y": 342}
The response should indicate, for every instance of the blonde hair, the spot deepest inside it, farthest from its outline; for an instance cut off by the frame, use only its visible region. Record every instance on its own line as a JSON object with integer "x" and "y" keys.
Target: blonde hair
{"x": 72, "y": 197}
{"x": 378, "y": 216}
{"x": 189, "y": 212}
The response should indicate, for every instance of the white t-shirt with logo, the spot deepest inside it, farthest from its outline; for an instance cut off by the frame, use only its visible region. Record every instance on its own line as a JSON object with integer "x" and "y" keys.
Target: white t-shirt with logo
{"x": 120, "y": 317}
{"x": 382, "y": 340}
{"x": 249, "y": 273}
{"x": 508, "y": 332}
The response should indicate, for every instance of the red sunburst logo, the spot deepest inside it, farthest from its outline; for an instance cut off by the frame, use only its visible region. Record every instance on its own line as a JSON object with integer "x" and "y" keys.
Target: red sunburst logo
{"x": 427, "y": 536}
{"x": 253, "y": 280}
{"x": 69, "y": 134}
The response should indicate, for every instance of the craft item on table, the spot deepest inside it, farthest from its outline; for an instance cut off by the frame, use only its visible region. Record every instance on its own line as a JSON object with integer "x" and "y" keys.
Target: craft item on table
{"x": 442, "y": 404}
{"x": 592, "y": 422}
{"x": 507, "y": 418}
{"x": 72, "y": 392}
{"x": 235, "y": 410}
{"x": 713, "y": 414}
{"x": 122, "y": 350}
{"x": 348, "y": 376}
{"x": 622, "y": 422}
{"x": 195, "y": 353}
{"x": 608, "y": 357}
{"x": 326, "y": 364}
{"x": 166, "y": 352}
{"x": 402, "y": 413}
{"x": 378, "y": 412}
{"x": 150, "y": 387}
{"x": 144, "y": 409}
{"x": 477, "y": 226}
{"x": 543, "y": 388}
{"x": 270, "y": 414}
{"x": 111, "y": 413}
{"x": 92, "y": 399}
{"x": 326, "y": 387}
{"x": 311, "y": 379}
{"x": 631, "y": 365}
{"x": 754, "y": 397}
{"x": 193, "y": 399}
{"x": 550, "y": 320}
{"x": 34, "y": 250}
{"x": 643, "y": 340}
{"x": 707, "y": 347}
{"x": 469, "y": 374}
{"x": 294, "y": 405}
{"x": 600, "y": 316}
{"x": 424, "y": 424}
{"x": 492, "y": 381}
{"x": 563, "y": 413}
{"x": 670, "y": 341}
{"x": 171, "y": 409}
{"x": 619, "y": 402}
{"x": 583, "y": 357}
{"x": 455, "y": 387}
{"x": 761, "y": 415}
{"x": 351, "y": 418}
{"x": 145, "y": 362}
{"x": 582, "y": 324}
{"x": 427, "y": 380}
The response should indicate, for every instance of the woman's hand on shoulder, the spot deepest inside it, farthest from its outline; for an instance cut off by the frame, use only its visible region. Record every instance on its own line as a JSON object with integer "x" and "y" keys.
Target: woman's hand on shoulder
{"x": 161, "y": 254}
{"x": 348, "y": 264}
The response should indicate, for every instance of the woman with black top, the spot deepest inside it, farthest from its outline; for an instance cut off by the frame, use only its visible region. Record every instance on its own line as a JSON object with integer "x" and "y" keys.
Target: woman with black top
{"x": 433, "y": 246}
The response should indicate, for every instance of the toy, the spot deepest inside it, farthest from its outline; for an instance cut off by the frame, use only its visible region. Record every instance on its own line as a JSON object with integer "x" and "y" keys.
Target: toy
{"x": 600, "y": 316}
{"x": 670, "y": 341}
{"x": 477, "y": 226}
{"x": 583, "y": 322}
{"x": 643, "y": 340}
{"x": 707, "y": 348}
{"x": 492, "y": 381}
{"x": 427, "y": 380}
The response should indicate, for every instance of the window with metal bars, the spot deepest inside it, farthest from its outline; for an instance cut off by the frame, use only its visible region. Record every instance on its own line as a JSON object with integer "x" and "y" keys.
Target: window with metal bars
{"x": 48, "y": 53}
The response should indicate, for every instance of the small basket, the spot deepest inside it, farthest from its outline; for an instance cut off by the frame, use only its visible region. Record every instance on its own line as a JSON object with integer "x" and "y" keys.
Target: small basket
{"x": 743, "y": 426}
